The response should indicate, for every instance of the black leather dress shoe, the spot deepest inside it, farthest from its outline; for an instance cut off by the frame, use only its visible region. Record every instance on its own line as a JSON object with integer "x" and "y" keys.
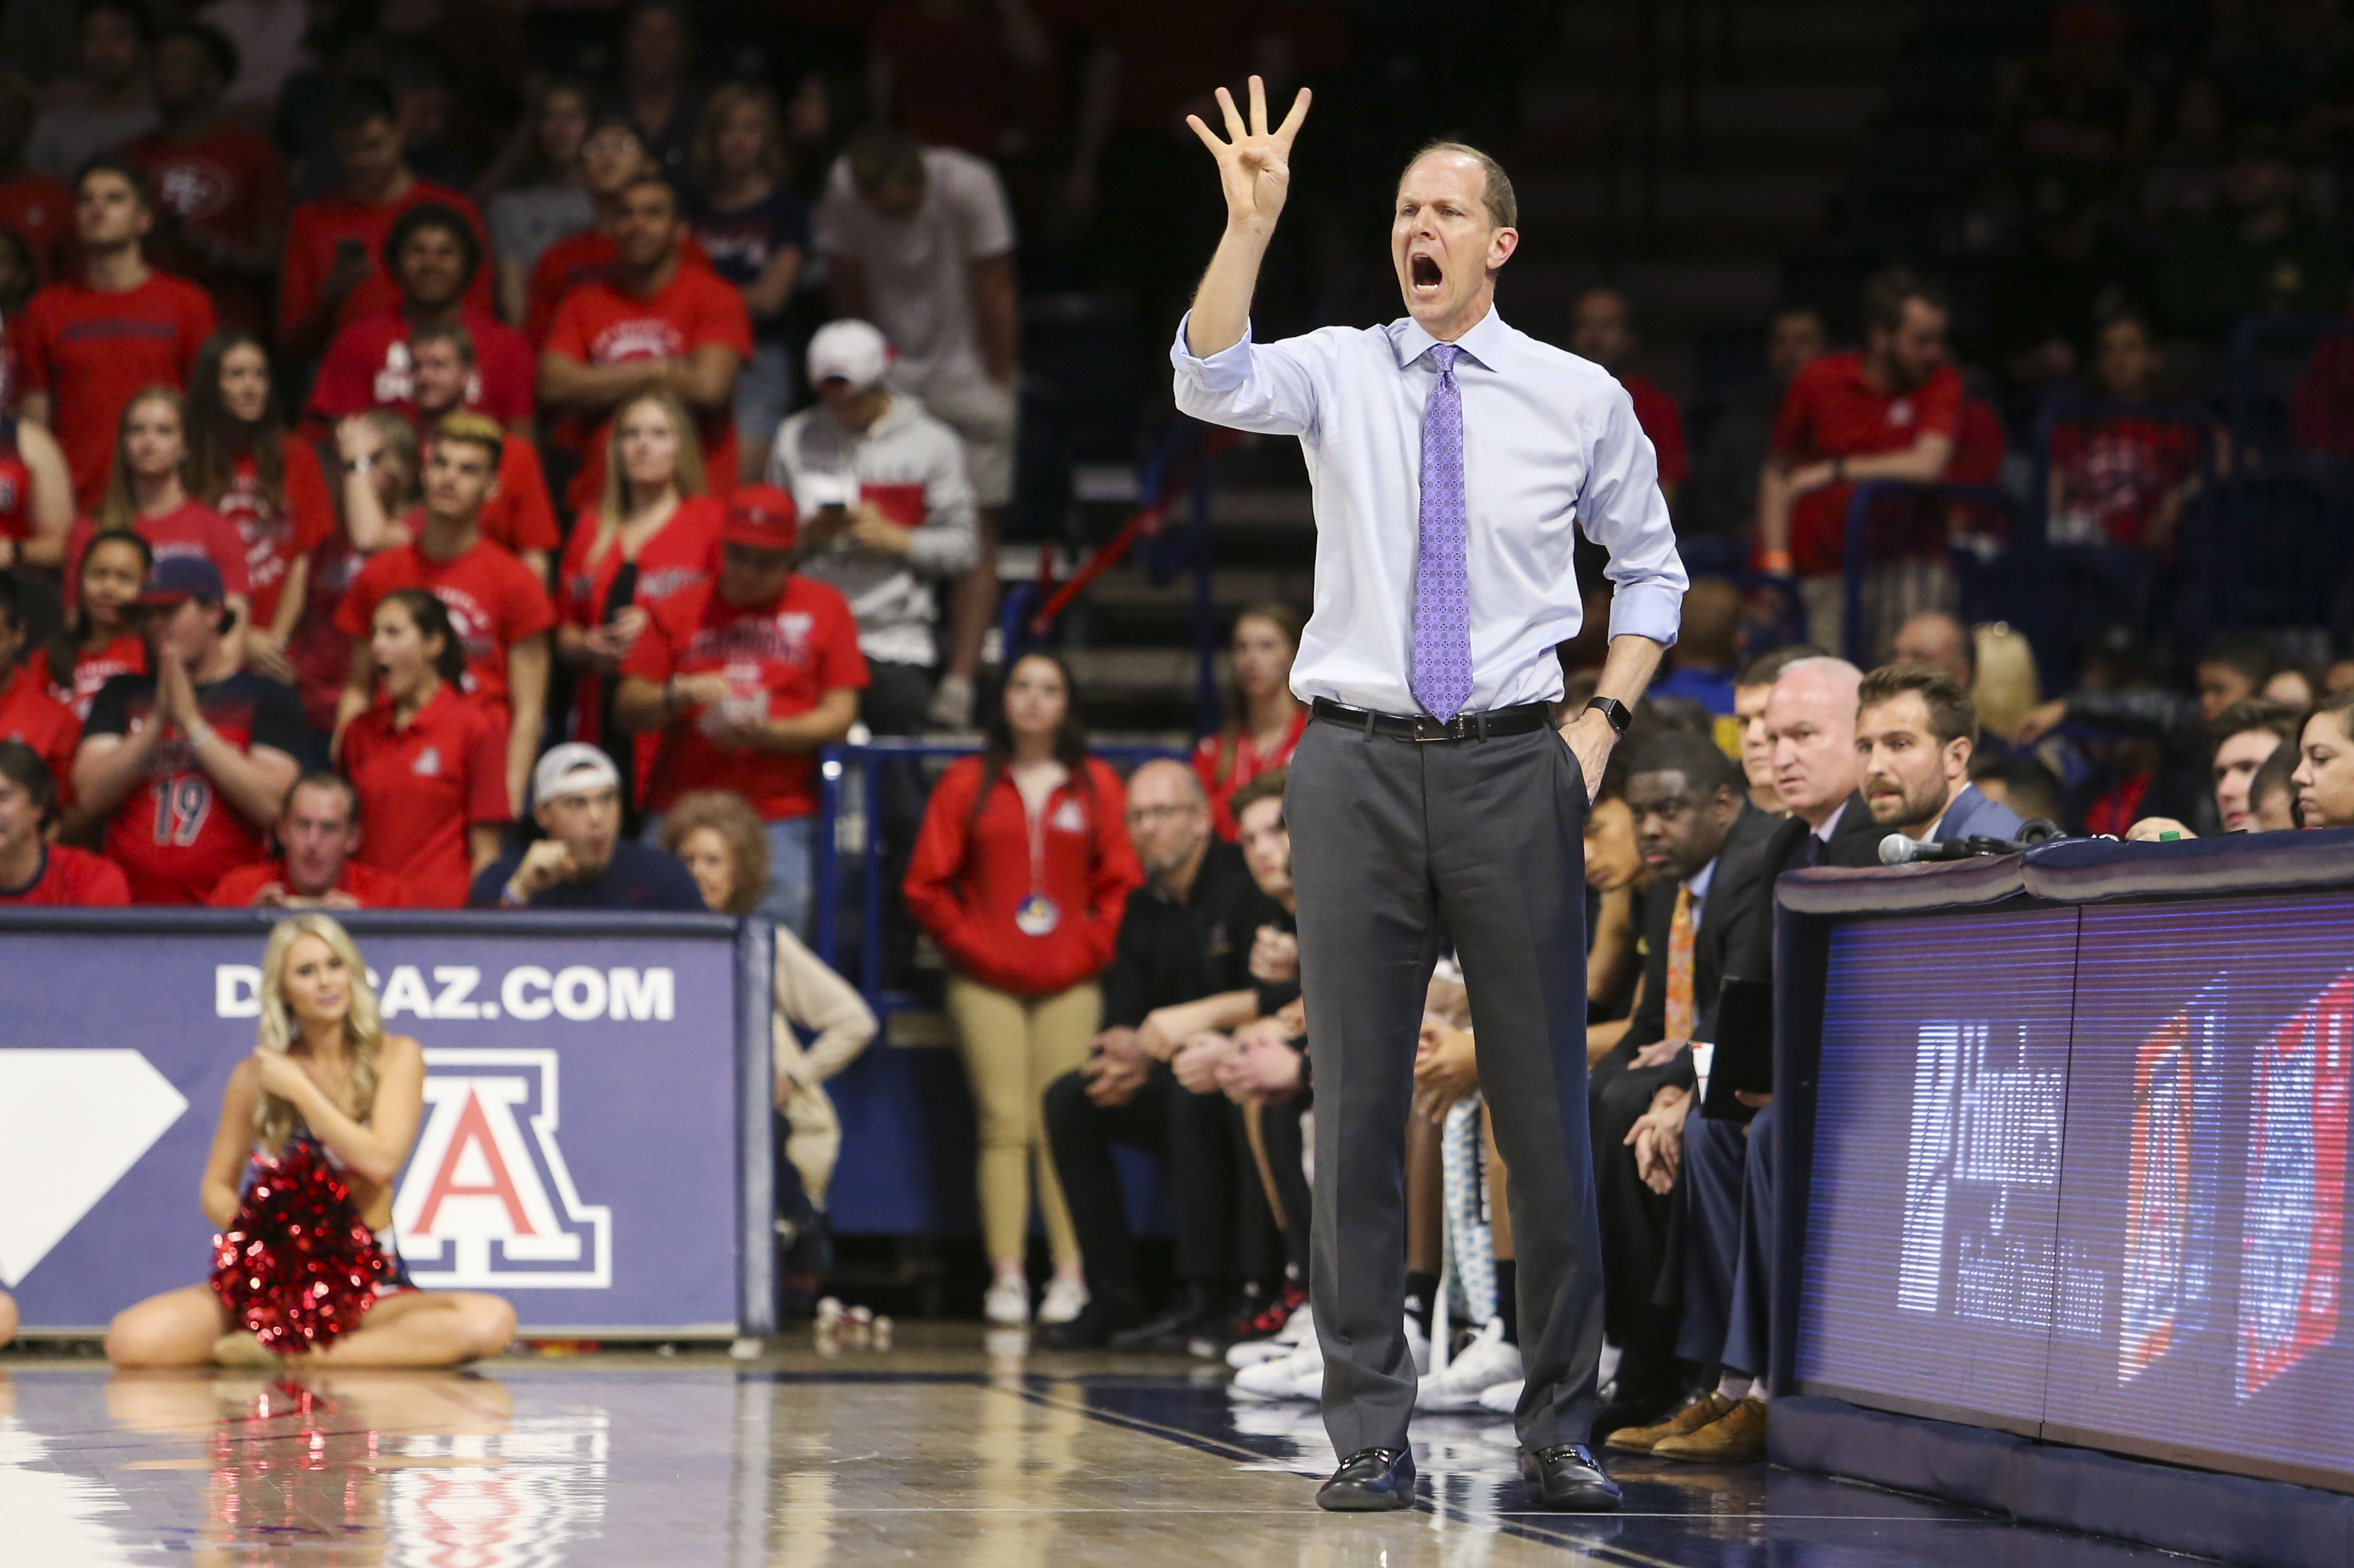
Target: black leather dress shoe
{"x": 1567, "y": 1480}
{"x": 1371, "y": 1480}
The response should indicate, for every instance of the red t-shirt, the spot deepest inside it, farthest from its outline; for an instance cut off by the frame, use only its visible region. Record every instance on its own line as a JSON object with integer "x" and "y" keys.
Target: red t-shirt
{"x": 793, "y": 651}
{"x": 1664, "y": 423}
{"x": 40, "y": 211}
{"x": 599, "y": 324}
{"x": 572, "y": 262}
{"x": 683, "y": 553}
{"x": 15, "y": 486}
{"x": 317, "y": 226}
{"x": 368, "y": 888}
{"x": 92, "y": 352}
{"x": 190, "y": 528}
{"x": 173, "y": 836}
{"x": 277, "y": 537}
{"x": 1243, "y": 761}
{"x": 971, "y": 871}
{"x": 72, "y": 876}
{"x": 1832, "y": 410}
{"x": 517, "y": 515}
{"x": 30, "y": 713}
{"x": 493, "y": 600}
{"x": 228, "y": 184}
{"x": 421, "y": 786}
{"x": 2115, "y": 474}
{"x": 126, "y": 655}
{"x": 367, "y": 366}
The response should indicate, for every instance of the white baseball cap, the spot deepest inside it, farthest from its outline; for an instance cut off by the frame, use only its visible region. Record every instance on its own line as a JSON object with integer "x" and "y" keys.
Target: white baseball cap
{"x": 571, "y": 767}
{"x": 852, "y": 351}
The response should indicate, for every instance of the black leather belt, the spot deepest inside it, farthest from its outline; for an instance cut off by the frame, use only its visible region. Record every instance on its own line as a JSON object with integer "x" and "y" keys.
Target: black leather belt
{"x": 1517, "y": 720}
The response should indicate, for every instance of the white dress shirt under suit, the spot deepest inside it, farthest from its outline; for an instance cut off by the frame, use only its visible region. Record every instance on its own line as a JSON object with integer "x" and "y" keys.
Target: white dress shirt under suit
{"x": 1550, "y": 447}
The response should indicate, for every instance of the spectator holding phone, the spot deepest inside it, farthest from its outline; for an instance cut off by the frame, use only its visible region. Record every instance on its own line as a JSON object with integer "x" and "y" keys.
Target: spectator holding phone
{"x": 740, "y": 681}
{"x": 651, "y": 534}
{"x": 887, "y": 515}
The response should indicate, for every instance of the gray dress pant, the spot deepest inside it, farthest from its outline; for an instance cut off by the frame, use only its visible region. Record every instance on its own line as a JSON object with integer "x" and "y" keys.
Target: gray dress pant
{"x": 1396, "y": 845}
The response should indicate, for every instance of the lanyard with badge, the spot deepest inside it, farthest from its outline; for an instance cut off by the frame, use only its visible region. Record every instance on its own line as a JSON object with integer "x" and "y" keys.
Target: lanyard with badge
{"x": 1036, "y": 915}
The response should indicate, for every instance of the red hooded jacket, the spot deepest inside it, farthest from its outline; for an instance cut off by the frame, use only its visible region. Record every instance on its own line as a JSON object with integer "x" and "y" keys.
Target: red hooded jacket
{"x": 971, "y": 871}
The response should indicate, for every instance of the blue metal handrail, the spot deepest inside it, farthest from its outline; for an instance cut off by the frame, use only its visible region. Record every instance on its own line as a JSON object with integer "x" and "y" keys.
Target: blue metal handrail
{"x": 834, "y": 768}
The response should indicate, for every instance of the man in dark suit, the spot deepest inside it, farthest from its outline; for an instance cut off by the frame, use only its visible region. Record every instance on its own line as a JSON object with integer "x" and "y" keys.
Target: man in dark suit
{"x": 1810, "y": 723}
{"x": 1915, "y": 729}
{"x": 1708, "y": 915}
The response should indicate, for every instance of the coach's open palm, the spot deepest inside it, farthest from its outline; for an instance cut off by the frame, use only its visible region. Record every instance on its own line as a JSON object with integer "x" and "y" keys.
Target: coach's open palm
{"x": 1253, "y": 163}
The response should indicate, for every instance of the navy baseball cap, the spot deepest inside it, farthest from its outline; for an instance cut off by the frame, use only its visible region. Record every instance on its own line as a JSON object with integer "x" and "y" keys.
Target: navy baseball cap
{"x": 176, "y": 577}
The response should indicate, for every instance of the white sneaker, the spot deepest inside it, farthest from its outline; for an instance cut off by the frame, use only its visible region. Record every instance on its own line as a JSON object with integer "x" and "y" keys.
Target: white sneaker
{"x": 1299, "y": 1328}
{"x": 1008, "y": 1301}
{"x": 1299, "y": 1375}
{"x": 1503, "y": 1398}
{"x": 1480, "y": 1366}
{"x": 1420, "y": 1342}
{"x": 1066, "y": 1299}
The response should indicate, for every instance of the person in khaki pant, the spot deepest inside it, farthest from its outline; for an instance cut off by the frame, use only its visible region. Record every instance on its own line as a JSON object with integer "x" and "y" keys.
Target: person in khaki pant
{"x": 1020, "y": 874}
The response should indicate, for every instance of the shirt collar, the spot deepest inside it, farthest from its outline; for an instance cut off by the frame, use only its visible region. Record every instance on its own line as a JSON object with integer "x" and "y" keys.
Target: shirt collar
{"x": 1957, "y": 811}
{"x": 1831, "y": 822}
{"x": 1697, "y": 884}
{"x": 1484, "y": 344}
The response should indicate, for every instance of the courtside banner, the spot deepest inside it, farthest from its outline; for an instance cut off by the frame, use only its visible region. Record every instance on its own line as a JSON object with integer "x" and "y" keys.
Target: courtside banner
{"x": 580, "y": 1151}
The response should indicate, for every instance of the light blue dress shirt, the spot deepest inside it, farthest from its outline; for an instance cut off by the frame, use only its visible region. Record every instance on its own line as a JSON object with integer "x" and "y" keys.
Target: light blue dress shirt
{"x": 1550, "y": 448}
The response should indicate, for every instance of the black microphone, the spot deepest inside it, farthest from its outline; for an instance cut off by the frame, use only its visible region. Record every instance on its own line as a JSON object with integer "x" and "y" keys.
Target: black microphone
{"x": 1901, "y": 849}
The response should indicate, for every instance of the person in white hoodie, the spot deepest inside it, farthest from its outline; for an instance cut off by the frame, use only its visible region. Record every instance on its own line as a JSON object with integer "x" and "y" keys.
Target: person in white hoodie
{"x": 886, "y": 516}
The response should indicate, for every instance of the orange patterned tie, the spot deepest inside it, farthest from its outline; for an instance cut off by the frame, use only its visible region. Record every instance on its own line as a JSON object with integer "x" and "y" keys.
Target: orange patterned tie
{"x": 1680, "y": 968}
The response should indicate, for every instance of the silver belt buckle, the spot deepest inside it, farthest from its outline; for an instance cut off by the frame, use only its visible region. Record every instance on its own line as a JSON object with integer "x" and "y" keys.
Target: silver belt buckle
{"x": 1426, "y": 728}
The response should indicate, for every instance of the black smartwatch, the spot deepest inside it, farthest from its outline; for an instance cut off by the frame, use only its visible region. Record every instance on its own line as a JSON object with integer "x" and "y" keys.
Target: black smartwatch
{"x": 1611, "y": 708}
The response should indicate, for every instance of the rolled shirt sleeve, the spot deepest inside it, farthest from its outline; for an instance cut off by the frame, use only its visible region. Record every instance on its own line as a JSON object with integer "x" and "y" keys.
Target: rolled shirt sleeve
{"x": 1270, "y": 388}
{"x": 1621, "y": 509}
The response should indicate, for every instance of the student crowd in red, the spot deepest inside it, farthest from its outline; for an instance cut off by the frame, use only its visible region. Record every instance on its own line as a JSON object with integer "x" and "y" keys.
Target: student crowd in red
{"x": 287, "y": 610}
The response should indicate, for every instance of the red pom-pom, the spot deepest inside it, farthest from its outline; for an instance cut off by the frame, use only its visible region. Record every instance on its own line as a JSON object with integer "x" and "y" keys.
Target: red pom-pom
{"x": 296, "y": 1267}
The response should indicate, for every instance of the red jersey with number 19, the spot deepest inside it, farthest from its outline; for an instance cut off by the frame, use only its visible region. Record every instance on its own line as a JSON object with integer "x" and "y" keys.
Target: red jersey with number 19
{"x": 173, "y": 836}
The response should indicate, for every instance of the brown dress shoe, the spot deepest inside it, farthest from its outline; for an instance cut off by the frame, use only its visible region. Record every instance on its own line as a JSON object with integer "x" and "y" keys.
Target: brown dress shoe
{"x": 1736, "y": 1436}
{"x": 1708, "y": 1408}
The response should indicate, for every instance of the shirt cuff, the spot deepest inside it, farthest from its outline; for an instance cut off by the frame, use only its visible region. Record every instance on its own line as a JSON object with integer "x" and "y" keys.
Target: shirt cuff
{"x": 1653, "y": 609}
{"x": 1223, "y": 370}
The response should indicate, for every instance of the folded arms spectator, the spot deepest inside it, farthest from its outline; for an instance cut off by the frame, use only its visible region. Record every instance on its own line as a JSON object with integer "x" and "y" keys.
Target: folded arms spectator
{"x": 189, "y": 766}
{"x": 428, "y": 763}
{"x": 88, "y": 346}
{"x": 318, "y": 833}
{"x": 32, "y": 869}
{"x": 583, "y": 863}
{"x": 654, "y": 323}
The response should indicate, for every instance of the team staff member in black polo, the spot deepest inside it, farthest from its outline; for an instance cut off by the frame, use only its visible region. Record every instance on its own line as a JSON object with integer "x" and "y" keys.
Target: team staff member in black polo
{"x": 1456, "y": 462}
{"x": 1184, "y": 937}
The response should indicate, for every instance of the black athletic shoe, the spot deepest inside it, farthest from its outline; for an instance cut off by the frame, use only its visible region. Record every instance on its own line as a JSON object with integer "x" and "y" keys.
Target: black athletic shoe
{"x": 1171, "y": 1333}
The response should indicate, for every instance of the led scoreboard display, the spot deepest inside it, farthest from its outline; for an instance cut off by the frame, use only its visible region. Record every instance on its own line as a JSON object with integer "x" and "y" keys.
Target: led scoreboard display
{"x": 2081, "y": 1173}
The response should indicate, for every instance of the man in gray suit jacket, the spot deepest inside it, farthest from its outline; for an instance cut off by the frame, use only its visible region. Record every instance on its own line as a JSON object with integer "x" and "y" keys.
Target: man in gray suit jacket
{"x": 1915, "y": 729}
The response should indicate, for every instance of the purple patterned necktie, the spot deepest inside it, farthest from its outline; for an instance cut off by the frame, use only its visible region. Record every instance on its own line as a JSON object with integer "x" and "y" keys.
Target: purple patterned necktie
{"x": 1442, "y": 595}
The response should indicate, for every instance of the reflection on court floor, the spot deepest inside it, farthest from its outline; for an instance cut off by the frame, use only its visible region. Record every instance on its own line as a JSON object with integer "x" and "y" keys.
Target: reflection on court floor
{"x": 949, "y": 1450}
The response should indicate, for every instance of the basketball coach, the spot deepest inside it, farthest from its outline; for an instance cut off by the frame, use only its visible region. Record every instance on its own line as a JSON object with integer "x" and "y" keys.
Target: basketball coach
{"x": 1454, "y": 461}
